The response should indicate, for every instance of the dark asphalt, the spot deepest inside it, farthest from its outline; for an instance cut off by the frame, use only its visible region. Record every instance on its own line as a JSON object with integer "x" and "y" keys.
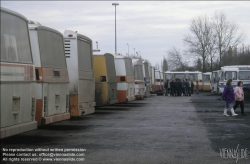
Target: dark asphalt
{"x": 155, "y": 130}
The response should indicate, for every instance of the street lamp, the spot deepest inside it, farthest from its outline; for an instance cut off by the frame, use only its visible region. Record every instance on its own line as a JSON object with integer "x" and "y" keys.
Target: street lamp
{"x": 115, "y": 4}
{"x": 128, "y": 49}
{"x": 97, "y": 50}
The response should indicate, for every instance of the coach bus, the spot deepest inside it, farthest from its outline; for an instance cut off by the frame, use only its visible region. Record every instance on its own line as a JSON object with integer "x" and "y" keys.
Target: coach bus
{"x": 105, "y": 79}
{"x": 215, "y": 81}
{"x": 236, "y": 73}
{"x": 206, "y": 81}
{"x": 79, "y": 57}
{"x": 125, "y": 78}
{"x": 139, "y": 81}
{"x": 18, "y": 102}
{"x": 52, "y": 87}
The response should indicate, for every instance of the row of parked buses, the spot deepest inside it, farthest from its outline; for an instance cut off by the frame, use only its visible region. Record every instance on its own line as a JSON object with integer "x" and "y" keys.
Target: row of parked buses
{"x": 236, "y": 73}
{"x": 47, "y": 76}
{"x": 215, "y": 81}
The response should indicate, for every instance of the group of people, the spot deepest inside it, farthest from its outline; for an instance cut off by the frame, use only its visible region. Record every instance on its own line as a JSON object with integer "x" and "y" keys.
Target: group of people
{"x": 230, "y": 94}
{"x": 180, "y": 87}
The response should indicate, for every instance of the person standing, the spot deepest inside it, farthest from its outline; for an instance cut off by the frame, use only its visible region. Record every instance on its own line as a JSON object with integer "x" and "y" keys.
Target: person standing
{"x": 169, "y": 87}
{"x": 184, "y": 87}
{"x": 239, "y": 97}
{"x": 176, "y": 87}
{"x": 197, "y": 87}
{"x": 228, "y": 95}
{"x": 187, "y": 88}
{"x": 172, "y": 88}
{"x": 192, "y": 87}
{"x": 180, "y": 87}
{"x": 166, "y": 88}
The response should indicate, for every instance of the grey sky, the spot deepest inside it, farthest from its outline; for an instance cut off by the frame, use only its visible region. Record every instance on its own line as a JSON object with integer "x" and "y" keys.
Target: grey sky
{"x": 150, "y": 27}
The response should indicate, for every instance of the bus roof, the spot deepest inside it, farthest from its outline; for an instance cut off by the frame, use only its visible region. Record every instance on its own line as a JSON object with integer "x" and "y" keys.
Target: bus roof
{"x": 13, "y": 13}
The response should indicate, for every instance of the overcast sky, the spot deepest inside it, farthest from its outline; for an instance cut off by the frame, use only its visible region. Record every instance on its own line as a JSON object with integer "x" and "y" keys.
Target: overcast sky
{"x": 150, "y": 27}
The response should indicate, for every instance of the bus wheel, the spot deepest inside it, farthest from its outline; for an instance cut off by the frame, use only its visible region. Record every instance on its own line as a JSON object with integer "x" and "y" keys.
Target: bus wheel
{"x": 246, "y": 94}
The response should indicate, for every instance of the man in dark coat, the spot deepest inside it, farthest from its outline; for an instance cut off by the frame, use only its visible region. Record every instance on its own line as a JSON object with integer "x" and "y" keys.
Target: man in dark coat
{"x": 166, "y": 88}
{"x": 175, "y": 87}
{"x": 179, "y": 87}
{"x": 172, "y": 88}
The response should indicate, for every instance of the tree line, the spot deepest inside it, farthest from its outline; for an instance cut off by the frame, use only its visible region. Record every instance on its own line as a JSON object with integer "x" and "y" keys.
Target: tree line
{"x": 213, "y": 42}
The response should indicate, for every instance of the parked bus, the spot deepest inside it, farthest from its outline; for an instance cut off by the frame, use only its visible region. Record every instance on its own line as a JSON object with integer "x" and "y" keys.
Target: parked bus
{"x": 17, "y": 112}
{"x": 152, "y": 79}
{"x": 79, "y": 57}
{"x": 125, "y": 78}
{"x": 52, "y": 98}
{"x": 206, "y": 81}
{"x": 139, "y": 81}
{"x": 158, "y": 87}
{"x": 105, "y": 80}
{"x": 192, "y": 76}
{"x": 215, "y": 81}
{"x": 146, "y": 78}
{"x": 236, "y": 73}
{"x": 162, "y": 80}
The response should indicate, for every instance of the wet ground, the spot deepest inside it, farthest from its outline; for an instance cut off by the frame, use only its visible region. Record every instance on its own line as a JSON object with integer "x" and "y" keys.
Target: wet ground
{"x": 155, "y": 130}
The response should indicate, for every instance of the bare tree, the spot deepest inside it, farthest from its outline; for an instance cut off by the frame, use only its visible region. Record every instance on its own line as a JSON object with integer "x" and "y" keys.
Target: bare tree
{"x": 227, "y": 34}
{"x": 175, "y": 60}
{"x": 201, "y": 30}
{"x": 211, "y": 50}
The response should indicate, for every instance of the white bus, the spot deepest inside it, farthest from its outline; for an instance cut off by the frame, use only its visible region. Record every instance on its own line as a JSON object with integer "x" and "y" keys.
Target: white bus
{"x": 139, "y": 81}
{"x": 125, "y": 78}
{"x": 215, "y": 81}
{"x": 152, "y": 89}
{"x": 150, "y": 76}
{"x": 52, "y": 77}
{"x": 18, "y": 102}
{"x": 236, "y": 73}
{"x": 206, "y": 81}
{"x": 158, "y": 85}
{"x": 79, "y": 57}
{"x": 190, "y": 75}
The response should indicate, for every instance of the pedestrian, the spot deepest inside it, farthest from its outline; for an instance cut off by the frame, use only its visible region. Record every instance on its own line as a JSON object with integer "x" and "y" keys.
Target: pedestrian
{"x": 176, "y": 86}
{"x": 239, "y": 97}
{"x": 166, "y": 88}
{"x": 179, "y": 87}
{"x": 197, "y": 87}
{"x": 183, "y": 87}
{"x": 228, "y": 95}
{"x": 169, "y": 87}
{"x": 172, "y": 87}
{"x": 192, "y": 87}
{"x": 187, "y": 88}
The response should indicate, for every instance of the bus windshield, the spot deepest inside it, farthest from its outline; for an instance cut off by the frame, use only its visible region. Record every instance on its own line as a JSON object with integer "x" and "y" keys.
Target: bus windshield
{"x": 206, "y": 77}
{"x": 230, "y": 75}
{"x": 179, "y": 76}
{"x": 192, "y": 77}
{"x": 15, "y": 43}
{"x": 168, "y": 76}
{"x": 244, "y": 75}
